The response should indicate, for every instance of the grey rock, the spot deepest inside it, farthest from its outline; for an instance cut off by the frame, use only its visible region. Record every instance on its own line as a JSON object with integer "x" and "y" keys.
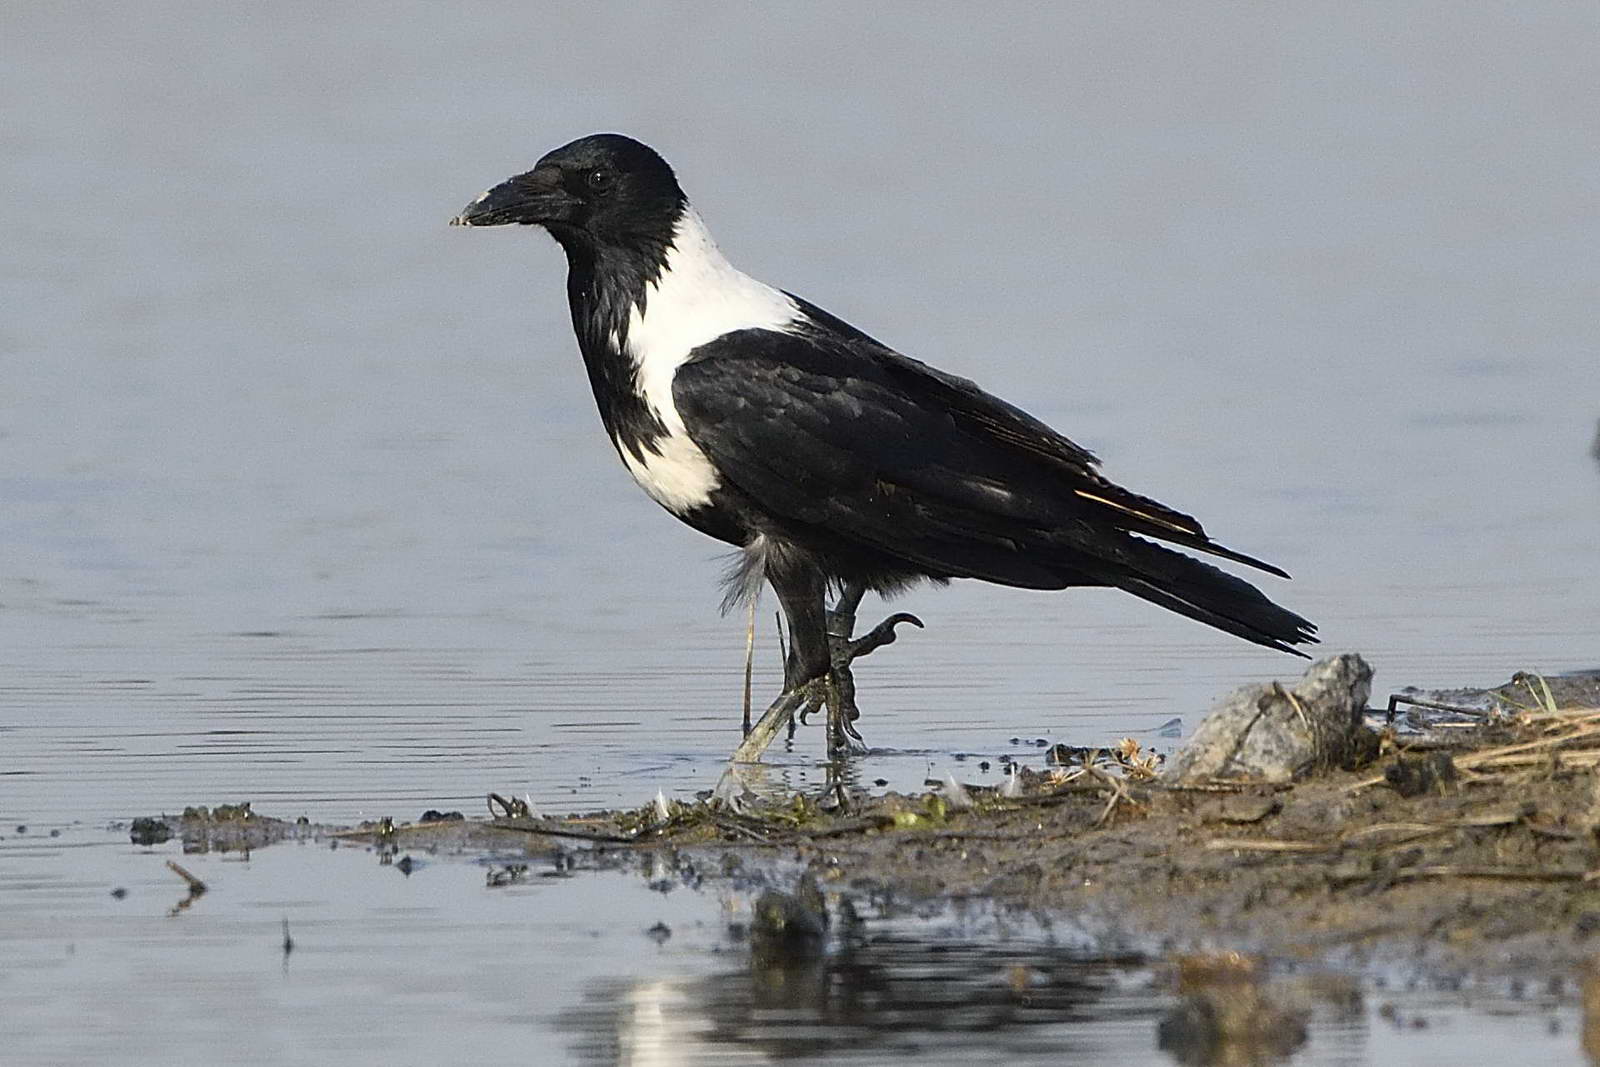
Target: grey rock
{"x": 1271, "y": 734}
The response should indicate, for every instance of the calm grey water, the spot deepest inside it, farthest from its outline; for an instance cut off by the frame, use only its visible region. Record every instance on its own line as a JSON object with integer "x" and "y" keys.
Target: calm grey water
{"x": 303, "y": 499}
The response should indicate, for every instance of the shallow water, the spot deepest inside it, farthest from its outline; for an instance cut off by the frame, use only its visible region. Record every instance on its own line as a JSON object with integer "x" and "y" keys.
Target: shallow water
{"x": 303, "y": 501}
{"x": 442, "y": 964}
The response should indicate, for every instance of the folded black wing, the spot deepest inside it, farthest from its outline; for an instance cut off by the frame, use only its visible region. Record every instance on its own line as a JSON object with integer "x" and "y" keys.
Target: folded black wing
{"x": 824, "y": 426}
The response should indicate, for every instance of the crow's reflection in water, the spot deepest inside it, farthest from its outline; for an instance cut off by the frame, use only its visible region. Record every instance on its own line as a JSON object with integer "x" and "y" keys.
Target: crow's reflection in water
{"x": 816, "y": 980}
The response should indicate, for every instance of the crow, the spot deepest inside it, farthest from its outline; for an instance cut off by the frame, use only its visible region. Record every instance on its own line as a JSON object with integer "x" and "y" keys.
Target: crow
{"x": 835, "y": 464}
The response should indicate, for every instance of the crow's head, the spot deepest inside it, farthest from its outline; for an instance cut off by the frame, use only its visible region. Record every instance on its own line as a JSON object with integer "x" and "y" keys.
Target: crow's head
{"x": 603, "y": 189}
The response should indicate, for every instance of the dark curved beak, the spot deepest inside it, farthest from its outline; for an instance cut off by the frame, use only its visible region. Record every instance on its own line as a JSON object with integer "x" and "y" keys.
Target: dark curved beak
{"x": 528, "y": 199}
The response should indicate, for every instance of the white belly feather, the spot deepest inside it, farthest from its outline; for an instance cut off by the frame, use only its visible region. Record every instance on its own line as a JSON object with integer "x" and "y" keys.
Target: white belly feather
{"x": 698, "y": 297}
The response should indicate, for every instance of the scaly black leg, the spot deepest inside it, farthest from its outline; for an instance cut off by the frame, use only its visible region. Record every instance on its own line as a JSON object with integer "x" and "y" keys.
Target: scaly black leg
{"x": 817, "y": 672}
{"x": 838, "y": 691}
{"x": 844, "y": 649}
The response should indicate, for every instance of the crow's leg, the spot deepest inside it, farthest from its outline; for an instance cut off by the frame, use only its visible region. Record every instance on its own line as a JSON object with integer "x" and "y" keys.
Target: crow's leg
{"x": 844, "y": 649}
{"x": 816, "y": 673}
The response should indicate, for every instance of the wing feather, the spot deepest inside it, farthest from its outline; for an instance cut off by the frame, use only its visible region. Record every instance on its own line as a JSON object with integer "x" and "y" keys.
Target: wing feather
{"x": 826, "y": 426}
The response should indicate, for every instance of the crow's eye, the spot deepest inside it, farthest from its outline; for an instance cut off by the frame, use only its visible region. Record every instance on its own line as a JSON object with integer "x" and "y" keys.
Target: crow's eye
{"x": 598, "y": 179}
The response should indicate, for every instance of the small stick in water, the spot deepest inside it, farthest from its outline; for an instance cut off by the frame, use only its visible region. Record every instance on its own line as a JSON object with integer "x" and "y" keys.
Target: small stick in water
{"x": 196, "y": 886}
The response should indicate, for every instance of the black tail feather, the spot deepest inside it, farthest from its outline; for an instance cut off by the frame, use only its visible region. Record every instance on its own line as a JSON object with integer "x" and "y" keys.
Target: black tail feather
{"x": 1201, "y": 592}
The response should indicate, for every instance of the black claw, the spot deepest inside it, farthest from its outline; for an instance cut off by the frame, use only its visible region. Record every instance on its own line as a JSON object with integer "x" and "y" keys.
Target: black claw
{"x": 882, "y": 634}
{"x": 812, "y": 705}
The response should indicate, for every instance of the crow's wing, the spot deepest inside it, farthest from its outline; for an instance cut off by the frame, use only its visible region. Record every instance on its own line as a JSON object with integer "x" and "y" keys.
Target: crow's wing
{"x": 825, "y": 426}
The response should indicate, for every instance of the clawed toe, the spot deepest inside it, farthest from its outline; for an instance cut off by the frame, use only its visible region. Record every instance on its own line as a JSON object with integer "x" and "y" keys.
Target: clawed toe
{"x": 843, "y": 737}
{"x": 881, "y": 634}
{"x": 815, "y": 701}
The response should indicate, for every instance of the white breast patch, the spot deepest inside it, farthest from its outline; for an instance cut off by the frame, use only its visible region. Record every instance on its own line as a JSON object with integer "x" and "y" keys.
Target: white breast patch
{"x": 698, "y": 297}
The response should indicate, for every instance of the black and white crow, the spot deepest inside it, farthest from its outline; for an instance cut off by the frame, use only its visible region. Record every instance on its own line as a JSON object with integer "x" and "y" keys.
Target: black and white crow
{"x": 833, "y": 462}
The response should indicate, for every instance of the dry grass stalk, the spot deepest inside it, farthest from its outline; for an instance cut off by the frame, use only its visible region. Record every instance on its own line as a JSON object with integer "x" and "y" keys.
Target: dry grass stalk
{"x": 1574, "y": 733}
{"x": 1407, "y": 831}
{"x": 1503, "y": 874}
{"x": 1119, "y": 793}
{"x": 1262, "y": 844}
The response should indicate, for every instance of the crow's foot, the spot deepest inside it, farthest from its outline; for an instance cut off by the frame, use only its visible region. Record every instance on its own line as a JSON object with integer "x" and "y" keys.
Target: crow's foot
{"x": 838, "y": 690}
{"x": 835, "y": 690}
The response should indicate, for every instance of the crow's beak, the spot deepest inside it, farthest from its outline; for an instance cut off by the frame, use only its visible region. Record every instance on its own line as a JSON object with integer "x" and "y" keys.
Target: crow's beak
{"x": 533, "y": 198}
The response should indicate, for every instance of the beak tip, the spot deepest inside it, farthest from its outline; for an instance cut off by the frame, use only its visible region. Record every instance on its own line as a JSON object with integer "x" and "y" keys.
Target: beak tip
{"x": 467, "y": 216}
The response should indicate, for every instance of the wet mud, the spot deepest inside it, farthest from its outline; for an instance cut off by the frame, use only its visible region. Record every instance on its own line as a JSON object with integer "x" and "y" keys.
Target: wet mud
{"x": 1470, "y": 842}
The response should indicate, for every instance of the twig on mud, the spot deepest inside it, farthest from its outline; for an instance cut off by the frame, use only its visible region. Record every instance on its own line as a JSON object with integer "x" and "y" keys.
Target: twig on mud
{"x": 1502, "y": 874}
{"x": 1434, "y": 705}
{"x": 1410, "y": 831}
{"x": 1257, "y": 844}
{"x": 1392, "y": 827}
{"x": 1571, "y": 716}
{"x": 1218, "y": 786}
{"x": 751, "y": 829}
{"x": 1582, "y": 758}
{"x": 1119, "y": 793}
{"x": 1506, "y": 818}
{"x": 549, "y": 829}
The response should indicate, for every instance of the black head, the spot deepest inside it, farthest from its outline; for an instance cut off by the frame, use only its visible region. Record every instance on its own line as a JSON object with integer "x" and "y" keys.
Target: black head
{"x": 604, "y": 189}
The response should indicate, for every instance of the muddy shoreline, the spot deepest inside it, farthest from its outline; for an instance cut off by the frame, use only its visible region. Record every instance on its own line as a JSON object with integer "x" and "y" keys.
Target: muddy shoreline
{"x": 1468, "y": 846}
